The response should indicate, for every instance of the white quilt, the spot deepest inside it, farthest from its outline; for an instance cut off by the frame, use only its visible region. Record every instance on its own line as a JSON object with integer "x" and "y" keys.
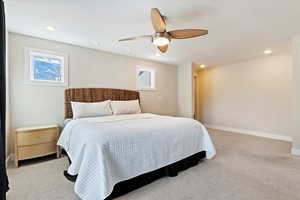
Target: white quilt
{"x": 107, "y": 150}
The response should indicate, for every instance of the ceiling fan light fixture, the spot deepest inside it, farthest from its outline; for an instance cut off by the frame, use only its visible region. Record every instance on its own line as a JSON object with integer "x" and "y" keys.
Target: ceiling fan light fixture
{"x": 161, "y": 41}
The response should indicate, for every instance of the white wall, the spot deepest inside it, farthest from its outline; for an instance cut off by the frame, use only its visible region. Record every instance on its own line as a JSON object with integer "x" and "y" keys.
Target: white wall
{"x": 253, "y": 95}
{"x": 296, "y": 94}
{"x": 184, "y": 90}
{"x": 38, "y": 105}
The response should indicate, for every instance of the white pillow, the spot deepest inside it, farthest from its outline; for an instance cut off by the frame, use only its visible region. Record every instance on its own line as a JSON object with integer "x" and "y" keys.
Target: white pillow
{"x": 95, "y": 109}
{"x": 125, "y": 107}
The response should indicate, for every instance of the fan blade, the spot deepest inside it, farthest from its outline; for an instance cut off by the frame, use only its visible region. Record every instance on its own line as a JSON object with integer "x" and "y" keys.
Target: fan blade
{"x": 187, "y": 33}
{"x": 163, "y": 49}
{"x": 158, "y": 21}
{"x": 135, "y": 38}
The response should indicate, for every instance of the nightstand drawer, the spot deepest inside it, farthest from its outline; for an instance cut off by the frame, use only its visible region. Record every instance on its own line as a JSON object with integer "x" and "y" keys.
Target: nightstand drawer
{"x": 36, "y": 136}
{"x": 38, "y": 150}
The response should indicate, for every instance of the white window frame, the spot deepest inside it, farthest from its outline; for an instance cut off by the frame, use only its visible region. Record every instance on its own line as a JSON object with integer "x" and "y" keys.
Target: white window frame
{"x": 29, "y": 52}
{"x": 152, "y": 71}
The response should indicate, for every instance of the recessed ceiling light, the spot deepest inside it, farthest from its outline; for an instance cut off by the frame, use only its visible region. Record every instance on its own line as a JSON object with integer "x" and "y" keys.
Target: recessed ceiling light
{"x": 50, "y": 28}
{"x": 202, "y": 66}
{"x": 97, "y": 43}
{"x": 157, "y": 54}
{"x": 268, "y": 51}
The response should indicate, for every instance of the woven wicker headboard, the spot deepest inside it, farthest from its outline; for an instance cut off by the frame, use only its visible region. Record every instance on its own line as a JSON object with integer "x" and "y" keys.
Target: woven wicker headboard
{"x": 96, "y": 95}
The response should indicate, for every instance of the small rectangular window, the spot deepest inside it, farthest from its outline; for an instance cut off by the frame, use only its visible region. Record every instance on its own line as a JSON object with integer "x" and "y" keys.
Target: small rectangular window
{"x": 145, "y": 79}
{"x": 44, "y": 67}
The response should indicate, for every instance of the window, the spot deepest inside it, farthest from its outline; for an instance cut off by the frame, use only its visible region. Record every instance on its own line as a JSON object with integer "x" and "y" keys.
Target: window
{"x": 45, "y": 67}
{"x": 145, "y": 79}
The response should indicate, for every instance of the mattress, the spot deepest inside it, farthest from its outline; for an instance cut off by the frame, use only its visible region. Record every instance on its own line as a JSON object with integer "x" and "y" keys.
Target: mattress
{"x": 107, "y": 150}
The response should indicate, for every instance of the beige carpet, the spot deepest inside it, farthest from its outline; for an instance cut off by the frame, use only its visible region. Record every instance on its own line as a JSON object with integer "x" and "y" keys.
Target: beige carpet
{"x": 245, "y": 168}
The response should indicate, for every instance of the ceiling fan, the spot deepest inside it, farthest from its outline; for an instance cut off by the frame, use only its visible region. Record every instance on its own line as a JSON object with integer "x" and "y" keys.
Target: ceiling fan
{"x": 161, "y": 38}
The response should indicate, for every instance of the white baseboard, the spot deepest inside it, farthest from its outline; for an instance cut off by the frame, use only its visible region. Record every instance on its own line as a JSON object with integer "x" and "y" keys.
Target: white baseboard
{"x": 295, "y": 152}
{"x": 9, "y": 158}
{"x": 251, "y": 132}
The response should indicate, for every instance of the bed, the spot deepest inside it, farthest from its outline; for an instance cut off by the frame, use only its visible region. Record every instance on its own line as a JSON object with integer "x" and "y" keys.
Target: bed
{"x": 112, "y": 155}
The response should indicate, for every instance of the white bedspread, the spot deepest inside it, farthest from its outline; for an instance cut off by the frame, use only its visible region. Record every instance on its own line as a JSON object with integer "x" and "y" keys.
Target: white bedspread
{"x": 107, "y": 150}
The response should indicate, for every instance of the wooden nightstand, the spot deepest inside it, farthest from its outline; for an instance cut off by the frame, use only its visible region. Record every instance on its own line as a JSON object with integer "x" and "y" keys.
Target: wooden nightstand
{"x": 33, "y": 142}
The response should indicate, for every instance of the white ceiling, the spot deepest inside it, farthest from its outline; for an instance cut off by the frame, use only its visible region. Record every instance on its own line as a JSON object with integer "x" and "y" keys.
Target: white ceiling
{"x": 238, "y": 29}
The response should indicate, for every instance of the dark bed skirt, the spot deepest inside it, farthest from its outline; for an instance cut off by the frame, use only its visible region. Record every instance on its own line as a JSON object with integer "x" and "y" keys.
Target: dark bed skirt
{"x": 172, "y": 170}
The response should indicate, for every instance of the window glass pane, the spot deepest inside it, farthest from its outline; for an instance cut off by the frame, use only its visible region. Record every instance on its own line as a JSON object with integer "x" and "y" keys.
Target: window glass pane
{"x": 144, "y": 78}
{"x": 47, "y": 68}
